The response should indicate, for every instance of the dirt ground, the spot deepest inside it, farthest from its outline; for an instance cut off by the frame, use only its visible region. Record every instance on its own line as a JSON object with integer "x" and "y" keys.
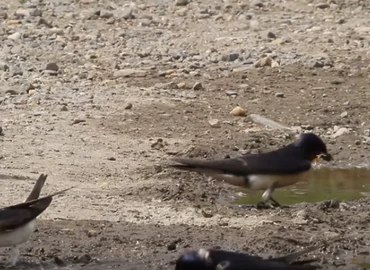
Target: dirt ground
{"x": 102, "y": 94}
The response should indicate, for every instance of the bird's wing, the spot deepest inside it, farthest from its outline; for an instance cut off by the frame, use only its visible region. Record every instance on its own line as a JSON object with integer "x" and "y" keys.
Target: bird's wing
{"x": 247, "y": 164}
{"x": 294, "y": 256}
{"x": 261, "y": 264}
{"x": 239, "y": 261}
{"x": 35, "y": 193}
{"x": 15, "y": 216}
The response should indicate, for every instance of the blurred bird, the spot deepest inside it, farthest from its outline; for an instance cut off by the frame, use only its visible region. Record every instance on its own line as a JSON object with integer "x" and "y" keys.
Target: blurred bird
{"x": 18, "y": 222}
{"x": 213, "y": 259}
{"x": 265, "y": 171}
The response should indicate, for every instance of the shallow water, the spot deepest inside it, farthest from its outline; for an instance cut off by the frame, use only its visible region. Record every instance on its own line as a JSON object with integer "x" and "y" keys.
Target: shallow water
{"x": 322, "y": 184}
{"x": 362, "y": 261}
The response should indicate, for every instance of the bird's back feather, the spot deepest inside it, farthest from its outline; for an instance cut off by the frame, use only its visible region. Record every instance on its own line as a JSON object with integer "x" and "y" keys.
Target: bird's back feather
{"x": 287, "y": 160}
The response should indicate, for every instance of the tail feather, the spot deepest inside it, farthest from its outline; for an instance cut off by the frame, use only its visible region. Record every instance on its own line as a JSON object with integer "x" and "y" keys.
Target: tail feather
{"x": 47, "y": 198}
{"x": 220, "y": 165}
{"x": 35, "y": 193}
{"x": 59, "y": 192}
{"x": 294, "y": 256}
{"x": 191, "y": 163}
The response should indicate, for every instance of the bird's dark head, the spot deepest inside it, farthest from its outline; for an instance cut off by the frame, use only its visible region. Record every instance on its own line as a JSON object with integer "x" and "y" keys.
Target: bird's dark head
{"x": 313, "y": 146}
{"x": 194, "y": 260}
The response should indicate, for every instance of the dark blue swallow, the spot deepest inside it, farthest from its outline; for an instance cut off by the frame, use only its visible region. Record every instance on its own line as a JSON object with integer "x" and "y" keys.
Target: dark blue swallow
{"x": 264, "y": 171}
{"x": 213, "y": 259}
{"x": 18, "y": 222}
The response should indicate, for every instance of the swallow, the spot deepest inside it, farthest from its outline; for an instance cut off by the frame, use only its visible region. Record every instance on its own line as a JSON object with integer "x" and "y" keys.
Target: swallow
{"x": 18, "y": 222}
{"x": 215, "y": 259}
{"x": 264, "y": 171}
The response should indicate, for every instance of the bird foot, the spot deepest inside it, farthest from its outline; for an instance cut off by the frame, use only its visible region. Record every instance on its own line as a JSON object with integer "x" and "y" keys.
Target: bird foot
{"x": 14, "y": 251}
{"x": 264, "y": 205}
{"x": 269, "y": 204}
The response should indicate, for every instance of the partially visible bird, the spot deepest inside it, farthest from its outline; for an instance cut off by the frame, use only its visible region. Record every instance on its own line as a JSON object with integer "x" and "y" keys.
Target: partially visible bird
{"x": 265, "y": 171}
{"x": 213, "y": 259}
{"x": 18, "y": 222}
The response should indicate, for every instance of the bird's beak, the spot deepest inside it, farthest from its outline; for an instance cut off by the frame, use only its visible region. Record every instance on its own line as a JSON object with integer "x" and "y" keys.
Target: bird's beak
{"x": 326, "y": 157}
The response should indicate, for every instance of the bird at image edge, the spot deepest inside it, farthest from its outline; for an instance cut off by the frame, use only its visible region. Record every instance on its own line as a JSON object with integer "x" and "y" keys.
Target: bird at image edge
{"x": 216, "y": 259}
{"x": 18, "y": 222}
{"x": 264, "y": 171}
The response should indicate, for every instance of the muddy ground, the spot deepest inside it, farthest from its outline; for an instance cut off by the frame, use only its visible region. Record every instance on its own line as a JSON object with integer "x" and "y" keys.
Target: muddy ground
{"x": 101, "y": 94}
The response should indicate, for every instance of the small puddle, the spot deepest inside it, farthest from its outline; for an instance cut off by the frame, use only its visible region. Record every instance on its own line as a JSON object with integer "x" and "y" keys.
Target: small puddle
{"x": 362, "y": 261}
{"x": 323, "y": 184}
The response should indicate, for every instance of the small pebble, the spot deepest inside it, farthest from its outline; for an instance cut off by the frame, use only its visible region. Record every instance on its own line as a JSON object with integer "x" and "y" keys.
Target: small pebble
{"x": 106, "y": 14}
{"x": 42, "y": 21}
{"x": 77, "y": 121}
{"x": 15, "y": 36}
{"x": 215, "y": 123}
{"x": 126, "y": 14}
{"x": 181, "y": 2}
{"x": 3, "y": 14}
{"x": 340, "y": 132}
{"x": 279, "y": 94}
{"x": 322, "y": 5}
{"x": 84, "y": 259}
{"x": 231, "y": 93}
{"x": 31, "y": 92}
{"x": 254, "y": 24}
{"x": 207, "y": 213}
{"x": 264, "y": 62}
{"x": 238, "y": 111}
{"x": 171, "y": 246}
{"x": 57, "y": 31}
{"x": 129, "y": 73}
{"x": 256, "y": 3}
{"x": 4, "y": 66}
{"x": 59, "y": 262}
{"x": 198, "y": 86}
{"x": 181, "y": 85}
{"x": 230, "y": 57}
{"x": 52, "y": 67}
{"x": 92, "y": 233}
{"x": 271, "y": 35}
{"x": 36, "y": 13}
{"x": 21, "y": 13}
{"x": 128, "y": 106}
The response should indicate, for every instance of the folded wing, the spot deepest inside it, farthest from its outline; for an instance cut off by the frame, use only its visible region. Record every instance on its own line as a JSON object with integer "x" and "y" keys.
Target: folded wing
{"x": 246, "y": 165}
{"x": 18, "y": 215}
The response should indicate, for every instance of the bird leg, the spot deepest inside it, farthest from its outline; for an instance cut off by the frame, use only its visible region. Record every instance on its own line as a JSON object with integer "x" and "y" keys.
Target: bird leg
{"x": 14, "y": 256}
{"x": 274, "y": 202}
{"x": 267, "y": 197}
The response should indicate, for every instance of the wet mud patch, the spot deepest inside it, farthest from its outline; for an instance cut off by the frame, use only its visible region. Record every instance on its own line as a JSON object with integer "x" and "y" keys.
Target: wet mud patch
{"x": 322, "y": 184}
{"x": 126, "y": 246}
